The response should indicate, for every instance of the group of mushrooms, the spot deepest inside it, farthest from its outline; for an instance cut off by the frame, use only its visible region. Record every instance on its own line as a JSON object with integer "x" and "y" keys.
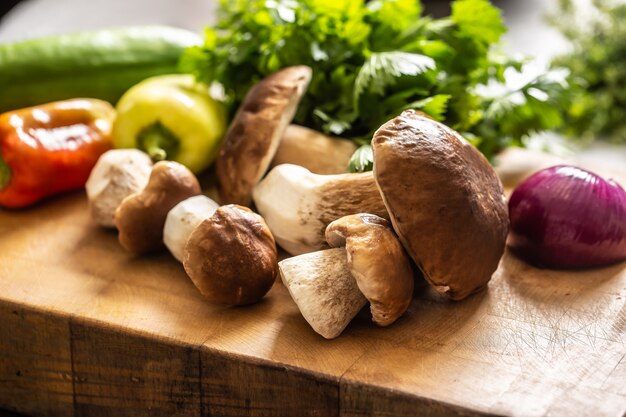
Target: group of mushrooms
{"x": 433, "y": 209}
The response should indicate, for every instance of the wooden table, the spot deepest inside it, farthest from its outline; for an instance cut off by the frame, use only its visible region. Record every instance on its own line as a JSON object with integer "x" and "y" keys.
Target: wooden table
{"x": 86, "y": 329}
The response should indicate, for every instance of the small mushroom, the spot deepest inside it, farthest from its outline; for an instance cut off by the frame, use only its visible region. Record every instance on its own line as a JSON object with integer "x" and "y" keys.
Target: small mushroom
{"x": 141, "y": 216}
{"x": 314, "y": 151}
{"x": 298, "y": 205}
{"x": 377, "y": 262}
{"x": 183, "y": 219}
{"x": 326, "y": 293}
{"x": 117, "y": 174}
{"x": 253, "y": 136}
{"x": 445, "y": 202}
{"x": 231, "y": 257}
{"x": 332, "y": 285}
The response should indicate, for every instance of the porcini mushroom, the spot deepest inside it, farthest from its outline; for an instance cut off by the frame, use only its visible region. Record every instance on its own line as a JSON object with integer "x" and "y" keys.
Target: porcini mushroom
{"x": 231, "y": 257}
{"x": 183, "y": 219}
{"x": 228, "y": 252}
{"x": 445, "y": 202}
{"x": 314, "y": 151}
{"x": 332, "y": 285}
{"x": 117, "y": 174}
{"x": 298, "y": 205}
{"x": 377, "y": 262}
{"x": 326, "y": 293}
{"x": 141, "y": 216}
{"x": 255, "y": 132}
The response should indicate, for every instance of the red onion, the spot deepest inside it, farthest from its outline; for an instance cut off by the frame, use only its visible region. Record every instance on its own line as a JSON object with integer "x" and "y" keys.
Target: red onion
{"x": 566, "y": 217}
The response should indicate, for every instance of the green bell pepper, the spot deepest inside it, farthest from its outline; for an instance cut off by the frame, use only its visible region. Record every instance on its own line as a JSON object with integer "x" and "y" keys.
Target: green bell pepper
{"x": 171, "y": 117}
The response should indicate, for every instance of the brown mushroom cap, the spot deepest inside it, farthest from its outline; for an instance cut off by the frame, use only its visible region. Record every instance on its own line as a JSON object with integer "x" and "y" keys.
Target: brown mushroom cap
{"x": 377, "y": 262}
{"x": 445, "y": 202}
{"x": 253, "y": 136}
{"x": 231, "y": 257}
{"x": 141, "y": 216}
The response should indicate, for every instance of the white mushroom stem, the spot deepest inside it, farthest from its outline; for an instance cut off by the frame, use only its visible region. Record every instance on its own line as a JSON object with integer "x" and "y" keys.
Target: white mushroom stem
{"x": 117, "y": 174}
{"x": 183, "y": 219}
{"x": 314, "y": 151}
{"x": 321, "y": 285}
{"x": 298, "y": 205}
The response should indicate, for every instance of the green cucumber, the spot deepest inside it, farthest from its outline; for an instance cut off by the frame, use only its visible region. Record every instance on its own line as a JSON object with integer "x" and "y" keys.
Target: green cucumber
{"x": 99, "y": 64}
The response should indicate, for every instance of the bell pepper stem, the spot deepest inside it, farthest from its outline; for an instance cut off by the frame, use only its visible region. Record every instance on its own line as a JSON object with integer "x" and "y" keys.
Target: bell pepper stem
{"x": 5, "y": 173}
{"x": 157, "y": 141}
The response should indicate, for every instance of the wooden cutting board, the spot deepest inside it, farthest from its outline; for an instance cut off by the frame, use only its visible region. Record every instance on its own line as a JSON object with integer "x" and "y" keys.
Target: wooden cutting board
{"x": 88, "y": 330}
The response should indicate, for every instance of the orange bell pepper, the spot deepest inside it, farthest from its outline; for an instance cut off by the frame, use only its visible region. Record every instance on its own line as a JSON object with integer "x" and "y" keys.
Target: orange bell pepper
{"x": 49, "y": 149}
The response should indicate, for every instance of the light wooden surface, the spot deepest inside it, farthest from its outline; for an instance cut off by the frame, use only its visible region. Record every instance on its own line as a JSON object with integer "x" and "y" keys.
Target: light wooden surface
{"x": 88, "y": 330}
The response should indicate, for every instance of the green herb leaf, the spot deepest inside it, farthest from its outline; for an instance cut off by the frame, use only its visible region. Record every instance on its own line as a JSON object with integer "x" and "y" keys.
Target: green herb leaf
{"x": 478, "y": 19}
{"x": 397, "y": 15}
{"x": 597, "y": 65}
{"x": 373, "y": 59}
{"x": 362, "y": 159}
{"x": 434, "y": 106}
{"x": 383, "y": 69}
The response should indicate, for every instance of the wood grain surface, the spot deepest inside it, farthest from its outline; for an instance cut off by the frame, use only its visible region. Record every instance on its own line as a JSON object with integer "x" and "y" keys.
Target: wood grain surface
{"x": 89, "y": 330}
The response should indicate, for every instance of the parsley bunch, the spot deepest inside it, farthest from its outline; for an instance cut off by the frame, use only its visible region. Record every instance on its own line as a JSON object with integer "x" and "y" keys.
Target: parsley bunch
{"x": 373, "y": 59}
{"x": 597, "y": 63}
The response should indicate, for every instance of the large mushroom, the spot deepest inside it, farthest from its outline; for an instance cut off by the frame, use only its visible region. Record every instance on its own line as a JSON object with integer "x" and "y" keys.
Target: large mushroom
{"x": 445, "y": 202}
{"x": 298, "y": 205}
{"x": 446, "y": 205}
{"x": 368, "y": 263}
{"x": 253, "y": 136}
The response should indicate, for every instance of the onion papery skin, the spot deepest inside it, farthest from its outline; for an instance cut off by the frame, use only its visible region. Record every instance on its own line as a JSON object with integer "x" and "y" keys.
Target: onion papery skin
{"x": 565, "y": 217}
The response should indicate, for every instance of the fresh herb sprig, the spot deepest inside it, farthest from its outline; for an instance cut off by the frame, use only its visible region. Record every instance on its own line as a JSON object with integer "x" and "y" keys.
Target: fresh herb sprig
{"x": 373, "y": 59}
{"x": 597, "y": 63}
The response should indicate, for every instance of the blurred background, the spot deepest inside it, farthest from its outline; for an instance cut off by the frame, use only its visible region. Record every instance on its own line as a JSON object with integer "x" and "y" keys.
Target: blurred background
{"x": 528, "y": 32}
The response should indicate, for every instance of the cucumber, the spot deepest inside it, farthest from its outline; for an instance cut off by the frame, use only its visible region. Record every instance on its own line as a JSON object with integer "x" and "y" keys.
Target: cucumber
{"x": 98, "y": 64}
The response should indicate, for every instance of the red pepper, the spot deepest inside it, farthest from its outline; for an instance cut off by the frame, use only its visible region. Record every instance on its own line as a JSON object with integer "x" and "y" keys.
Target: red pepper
{"x": 49, "y": 149}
